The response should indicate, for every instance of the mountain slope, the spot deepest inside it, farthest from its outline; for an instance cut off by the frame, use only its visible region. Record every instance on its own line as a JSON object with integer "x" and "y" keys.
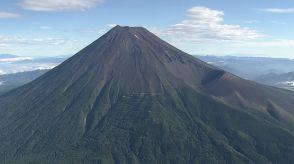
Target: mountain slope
{"x": 129, "y": 97}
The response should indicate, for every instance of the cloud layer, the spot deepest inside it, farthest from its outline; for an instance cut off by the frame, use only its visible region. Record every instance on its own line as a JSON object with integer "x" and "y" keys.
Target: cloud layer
{"x": 22, "y": 64}
{"x": 7, "y": 15}
{"x": 15, "y": 59}
{"x": 58, "y": 5}
{"x": 203, "y": 23}
{"x": 272, "y": 43}
{"x": 278, "y": 10}
{"x": 13, "y": 40}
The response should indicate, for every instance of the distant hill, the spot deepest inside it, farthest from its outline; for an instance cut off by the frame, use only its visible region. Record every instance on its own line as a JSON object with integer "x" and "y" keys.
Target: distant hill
{"x": 285, "y": 80}
{"x": 130, "y": 97}
{"x": 11, "y": 81}
{"x": 16, "y": 71}
{"x": 250, "y": 67}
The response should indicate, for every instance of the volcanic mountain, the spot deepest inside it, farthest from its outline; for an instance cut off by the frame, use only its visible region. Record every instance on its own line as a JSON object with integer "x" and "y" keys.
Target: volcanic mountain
{"x": 130, "y": 97}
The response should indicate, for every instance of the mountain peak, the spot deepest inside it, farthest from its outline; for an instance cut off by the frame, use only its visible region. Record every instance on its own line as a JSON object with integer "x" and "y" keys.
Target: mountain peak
{"x": 127, "y": 27}
{"x": 131, "y": 55}
{"x": 124, "y": 33}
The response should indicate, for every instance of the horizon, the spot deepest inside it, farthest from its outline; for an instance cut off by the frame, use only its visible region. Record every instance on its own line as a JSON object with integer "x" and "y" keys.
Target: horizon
{"x": 203, "y": 55}
{"x": 231, "y": 28}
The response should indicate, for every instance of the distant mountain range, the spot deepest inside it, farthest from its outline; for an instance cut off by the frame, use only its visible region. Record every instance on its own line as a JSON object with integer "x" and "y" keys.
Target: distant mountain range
{"x": 11, "y": 81}
{"x": 285, "y": 80}
{"x": 14, "y": 64}
{"x": 18, "y": 70}
{"x": 276, "y": 72}
{"x": 130, "y": 97}
{"x": 250, "y": 67}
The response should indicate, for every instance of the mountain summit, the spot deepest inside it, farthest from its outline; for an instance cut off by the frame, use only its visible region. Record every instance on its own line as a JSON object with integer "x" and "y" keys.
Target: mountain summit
{"x": 130, "y": 97}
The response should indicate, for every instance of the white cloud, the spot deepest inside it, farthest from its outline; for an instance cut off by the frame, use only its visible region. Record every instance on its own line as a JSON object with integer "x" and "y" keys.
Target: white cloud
{"x": 6, "y": 15}
{"x": 2, "y": 72}
{"x": 273, "y": 43}
{"x": 13, "y": 40}
{"x": 23, "y": 64}
{"x": 111, "y": 25}
{"x": 16, "y": 59}
{"x": 278, "y": 10}
{"x": 291, "y": 83}
{"x": 206, "y": 24}
{"x": 17, "y": 67}
{"x": 58, "y": 5}
{"x": 2, "y": 45}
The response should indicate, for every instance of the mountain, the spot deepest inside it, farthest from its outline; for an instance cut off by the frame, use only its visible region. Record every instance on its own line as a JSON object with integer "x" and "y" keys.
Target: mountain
{"x": 11, "y": 81}
{"x": 250, "y": 67}
{"x": 130, "y": 97}
{"x": 285, "y": 80}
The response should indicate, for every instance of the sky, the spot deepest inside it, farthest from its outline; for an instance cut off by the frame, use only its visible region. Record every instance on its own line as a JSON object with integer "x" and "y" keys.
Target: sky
{"x": 204, "y": 27}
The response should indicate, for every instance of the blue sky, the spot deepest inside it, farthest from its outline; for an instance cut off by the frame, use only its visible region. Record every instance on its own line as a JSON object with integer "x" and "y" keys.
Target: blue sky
{"x": 216, "y": 27}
